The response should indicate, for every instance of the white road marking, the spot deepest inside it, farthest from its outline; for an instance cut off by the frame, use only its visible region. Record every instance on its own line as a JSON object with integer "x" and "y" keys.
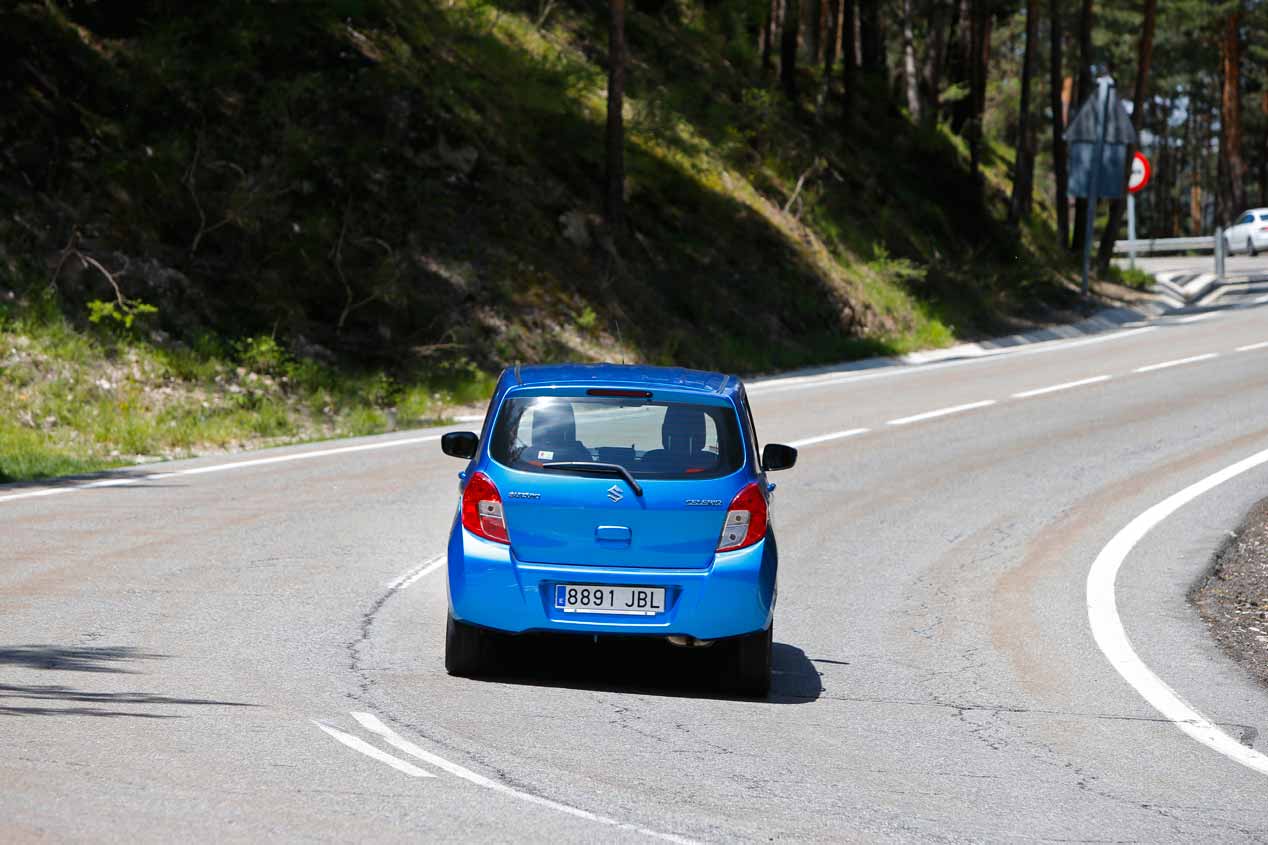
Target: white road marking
{"x": 358, "y": 744}
{"x": 256, "y": 462}
{"x": 780, "y": 385}
{"x": 1026, "y": 394}
{"x": 1107, "y": 627}
{"x": 823, "y": 438}
{"x": 1253, "y": 346}
{"x": 941, "y": 412}
{"x": 419, "y": 573}
{"x": 1261, "y": 300}
{"x": 1194, "y": 318}
{"x": 373, "y": 724}
{"x": 1165, "y": 364}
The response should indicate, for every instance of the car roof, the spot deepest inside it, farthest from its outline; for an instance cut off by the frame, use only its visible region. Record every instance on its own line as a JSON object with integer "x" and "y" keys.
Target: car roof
{"x": 622, "y": 375}
{"x": 1254, "y": 211}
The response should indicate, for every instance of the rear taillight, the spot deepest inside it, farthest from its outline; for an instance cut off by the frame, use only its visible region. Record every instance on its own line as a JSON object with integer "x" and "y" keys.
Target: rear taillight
{"x": 745, "y": 519}
{"x": 482, "y": 509}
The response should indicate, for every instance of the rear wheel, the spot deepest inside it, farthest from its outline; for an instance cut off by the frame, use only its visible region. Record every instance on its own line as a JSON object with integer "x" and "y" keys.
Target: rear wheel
{"x": 469, "y": 650}
{"x": 1250, "y": 248}
{"x": 746, "y": 664}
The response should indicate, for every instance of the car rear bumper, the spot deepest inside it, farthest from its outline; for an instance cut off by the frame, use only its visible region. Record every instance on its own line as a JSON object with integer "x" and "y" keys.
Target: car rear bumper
{"x": 488, "y": 586}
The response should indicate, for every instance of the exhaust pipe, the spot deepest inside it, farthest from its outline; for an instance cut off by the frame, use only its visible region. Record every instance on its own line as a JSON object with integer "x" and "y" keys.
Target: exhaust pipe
{"x": 684, "y": 641}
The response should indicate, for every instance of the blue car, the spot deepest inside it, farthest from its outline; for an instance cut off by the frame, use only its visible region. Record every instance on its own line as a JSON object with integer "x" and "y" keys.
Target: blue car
{"x": 616, "y": 500}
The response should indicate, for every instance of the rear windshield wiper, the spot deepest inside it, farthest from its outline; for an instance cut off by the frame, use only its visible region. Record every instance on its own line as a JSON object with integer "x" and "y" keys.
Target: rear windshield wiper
{"x": 597, "y": 469}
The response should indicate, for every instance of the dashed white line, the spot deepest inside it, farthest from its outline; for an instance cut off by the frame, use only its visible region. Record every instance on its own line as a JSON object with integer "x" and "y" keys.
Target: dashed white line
{"x": 375, "y": 725}
{"x": 1177, "y": 362}
{"x": 823, "y": 438}
{"x": 1026, "y": 394}
{"x": 1107, "y": 627}
{"x": 869, "y": 371}
{"x": 941, "y": 412}
{"x": 255, "y": 462}
{"x": 1249, "y": 347}
{"x": 358, "y": 744}
{"x": 417, "y": 574}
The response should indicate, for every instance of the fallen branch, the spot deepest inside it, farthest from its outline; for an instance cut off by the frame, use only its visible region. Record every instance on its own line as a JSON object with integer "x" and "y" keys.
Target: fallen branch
{"x": 800, "y": 182}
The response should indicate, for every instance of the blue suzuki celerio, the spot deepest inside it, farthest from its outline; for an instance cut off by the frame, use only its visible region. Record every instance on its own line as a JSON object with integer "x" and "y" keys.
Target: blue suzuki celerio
{"x": 606, "y": 499}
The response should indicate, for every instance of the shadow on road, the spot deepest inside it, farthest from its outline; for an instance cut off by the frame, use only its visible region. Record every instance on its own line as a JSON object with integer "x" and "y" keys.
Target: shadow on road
{"x": 96, "y": 659}
{"x": 72, "y": 658}
{"x": 645, "y": 666}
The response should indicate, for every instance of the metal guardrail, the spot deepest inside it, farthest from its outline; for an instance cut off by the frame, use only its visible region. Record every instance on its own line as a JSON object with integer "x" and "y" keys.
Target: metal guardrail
{"x": 1203, "y": 243}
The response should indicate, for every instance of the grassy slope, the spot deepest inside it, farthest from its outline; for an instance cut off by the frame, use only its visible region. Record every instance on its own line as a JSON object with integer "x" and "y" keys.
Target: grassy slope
{"x": 384, "y": 186}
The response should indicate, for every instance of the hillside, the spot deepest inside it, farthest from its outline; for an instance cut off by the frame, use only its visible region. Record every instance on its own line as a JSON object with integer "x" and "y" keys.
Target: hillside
{"x": 398, "y": 198}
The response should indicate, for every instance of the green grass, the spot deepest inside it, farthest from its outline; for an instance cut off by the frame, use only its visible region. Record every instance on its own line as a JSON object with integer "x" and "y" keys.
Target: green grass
{"x": 80, "y": 399}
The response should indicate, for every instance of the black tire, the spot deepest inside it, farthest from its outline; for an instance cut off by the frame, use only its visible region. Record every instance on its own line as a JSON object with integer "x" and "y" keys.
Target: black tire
{"x": 469, "y": 651}
{"x": 746, "y": 664}
{"x": 1250, "y": 248}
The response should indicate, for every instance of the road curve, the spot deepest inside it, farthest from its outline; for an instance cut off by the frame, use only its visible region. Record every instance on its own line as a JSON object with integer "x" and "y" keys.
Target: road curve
{"x": 254, "y": 651}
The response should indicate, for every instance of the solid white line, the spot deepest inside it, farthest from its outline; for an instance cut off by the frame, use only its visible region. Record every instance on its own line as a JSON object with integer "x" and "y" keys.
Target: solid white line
{"x": 780, "y": 385}
{"x": 373, "y": 724}
{"x": 1026, "y": 394}
{"x": 941, "y": 412}
{"x": 369, "y": 750}
{"x": 1261, "y": 300}
{"x": 1252, "y": 346}
{"x": 1165, "y": 364}
{"x": 256, "y": 462}
{"x": 823, "y": 438}
{"x": 1107, "y": 627}
{"x": 416, "y": 574}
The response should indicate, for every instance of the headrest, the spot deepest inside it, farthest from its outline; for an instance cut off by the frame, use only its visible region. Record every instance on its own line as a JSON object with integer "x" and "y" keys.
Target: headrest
{"x": 554, "y": 423}
{"x": 683, "y": 429}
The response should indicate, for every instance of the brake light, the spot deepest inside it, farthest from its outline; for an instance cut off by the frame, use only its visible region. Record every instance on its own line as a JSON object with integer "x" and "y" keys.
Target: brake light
{"x": 482, "y": 509}
{"x": 745, "y": 519}
{"x": 629, "y": 394}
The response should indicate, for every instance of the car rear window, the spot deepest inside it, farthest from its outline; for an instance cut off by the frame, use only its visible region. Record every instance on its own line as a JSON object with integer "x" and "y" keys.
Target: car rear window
{"x": 1264, "y": 218}
{"x": 651, "y": 439}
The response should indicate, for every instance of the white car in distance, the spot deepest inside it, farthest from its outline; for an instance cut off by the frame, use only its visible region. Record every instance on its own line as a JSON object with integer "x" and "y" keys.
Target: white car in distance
{"x": 1249, "y": 234}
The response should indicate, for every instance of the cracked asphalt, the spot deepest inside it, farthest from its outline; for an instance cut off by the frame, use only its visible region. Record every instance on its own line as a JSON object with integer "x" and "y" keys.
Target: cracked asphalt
{"x": 166, "y": 646}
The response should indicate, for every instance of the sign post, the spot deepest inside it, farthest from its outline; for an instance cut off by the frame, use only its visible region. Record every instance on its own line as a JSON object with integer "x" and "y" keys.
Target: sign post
{"x": 1139, "y": 179}
{"x": 1104, "y": 85}
{"x": 1099, "y": 135}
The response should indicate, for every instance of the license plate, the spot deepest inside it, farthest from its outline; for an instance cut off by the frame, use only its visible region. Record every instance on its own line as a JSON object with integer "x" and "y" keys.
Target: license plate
{"x": 598, "y": 598}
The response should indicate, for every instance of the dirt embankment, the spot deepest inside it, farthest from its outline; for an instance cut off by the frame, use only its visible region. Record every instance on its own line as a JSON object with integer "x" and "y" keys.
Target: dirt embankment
{"x": 1233, "y": 598}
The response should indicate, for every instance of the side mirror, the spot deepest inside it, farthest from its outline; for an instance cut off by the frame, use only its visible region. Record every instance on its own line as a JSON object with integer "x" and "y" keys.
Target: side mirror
{"x": 460, "y": 444}
{"x": 776, "y": 456}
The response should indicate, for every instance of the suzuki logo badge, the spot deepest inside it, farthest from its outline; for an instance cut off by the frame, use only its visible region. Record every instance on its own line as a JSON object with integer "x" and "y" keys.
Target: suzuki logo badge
{"x": 615, "y": 494}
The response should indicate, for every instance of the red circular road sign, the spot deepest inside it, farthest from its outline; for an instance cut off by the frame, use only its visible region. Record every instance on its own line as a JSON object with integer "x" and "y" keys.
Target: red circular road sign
{"x": 1141, "y": 171}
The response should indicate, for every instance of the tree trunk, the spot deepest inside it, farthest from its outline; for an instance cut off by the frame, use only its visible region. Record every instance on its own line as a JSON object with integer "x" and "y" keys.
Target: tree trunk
{"x": 1144, "y": 55}
{"x": 872, "y": 38}
{"x": 1024, "y": 164}
{"x": 818, "y": 23}
{"x": 788, "y": 48}
{"x": 614, "y": 196}
{"x": 1231, "y": 116}
{"x": 935, "y": 59}
{"x": 768, "y": 34}
{"x": 832, "y": 38}
{"x": 1056, "y": 84}
{"x": 910, "y": 79}
{"x": 980, "y": 31}
{"x": 1263, "y": 153}
{"x": 849, "y": 60}
{"x": 1082, "y": 92}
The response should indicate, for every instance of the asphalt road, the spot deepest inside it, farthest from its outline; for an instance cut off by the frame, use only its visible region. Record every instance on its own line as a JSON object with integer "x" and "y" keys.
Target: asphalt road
{"x": 254, "y": 651}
